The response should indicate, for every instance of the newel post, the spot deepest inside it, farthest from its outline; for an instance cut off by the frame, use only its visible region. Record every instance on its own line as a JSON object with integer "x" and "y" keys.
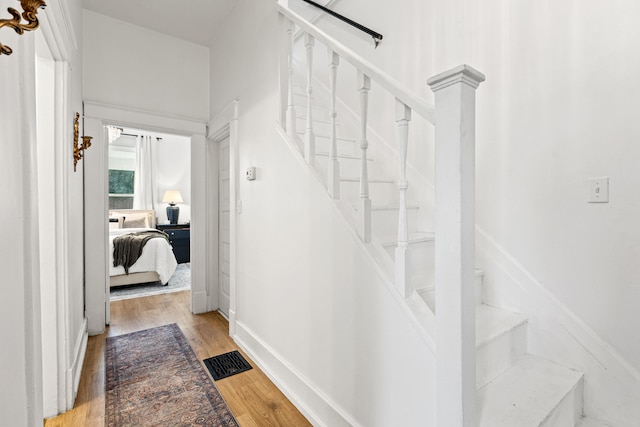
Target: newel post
{"x": 455, "y": 245}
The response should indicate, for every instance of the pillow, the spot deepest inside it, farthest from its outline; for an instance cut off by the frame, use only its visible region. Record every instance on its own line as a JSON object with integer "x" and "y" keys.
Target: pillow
{"x": 136, "y": 221}
{"x": 116, "y": 224}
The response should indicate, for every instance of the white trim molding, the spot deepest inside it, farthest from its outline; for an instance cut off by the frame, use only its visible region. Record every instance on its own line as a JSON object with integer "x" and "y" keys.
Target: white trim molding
{"x": 124, "y": 116}
{"x": 95, "y": 165}
{"x": 612, "y": 385}
{"x": 224, "y": 124}
{"x": 77, "y": 361}
{"x": 58, "y": 30}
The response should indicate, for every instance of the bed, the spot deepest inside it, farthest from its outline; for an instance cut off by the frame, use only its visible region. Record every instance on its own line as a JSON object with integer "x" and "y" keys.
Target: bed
{"x": 157, "y": 262}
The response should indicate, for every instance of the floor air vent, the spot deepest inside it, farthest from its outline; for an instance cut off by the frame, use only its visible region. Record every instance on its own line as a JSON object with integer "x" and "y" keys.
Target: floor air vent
{"x": 227, "y": 364}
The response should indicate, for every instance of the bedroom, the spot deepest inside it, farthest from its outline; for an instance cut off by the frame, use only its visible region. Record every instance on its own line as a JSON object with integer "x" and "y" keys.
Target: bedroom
{"x": 147, "y": 171}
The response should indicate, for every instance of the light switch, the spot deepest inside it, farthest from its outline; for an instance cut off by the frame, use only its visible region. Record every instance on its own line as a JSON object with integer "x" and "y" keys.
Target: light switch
{"x": 599, "y": 190}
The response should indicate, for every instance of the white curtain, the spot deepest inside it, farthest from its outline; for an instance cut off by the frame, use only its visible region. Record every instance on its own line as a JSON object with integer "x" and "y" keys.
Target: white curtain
{"x": 145, "y": 187}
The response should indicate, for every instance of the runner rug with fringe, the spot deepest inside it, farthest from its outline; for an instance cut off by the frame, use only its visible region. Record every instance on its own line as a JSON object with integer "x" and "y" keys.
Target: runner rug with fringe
{"x": 153, "y": 377}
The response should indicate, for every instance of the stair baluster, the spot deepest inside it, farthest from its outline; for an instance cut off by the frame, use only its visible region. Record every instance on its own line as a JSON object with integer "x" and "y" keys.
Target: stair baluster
{"x": 402, "y": 259}
{"x": 309, "y": 136}
{"x": 364, "y": 219}
{"x": 333, "y": 170}
{"x": 291, "y": 112}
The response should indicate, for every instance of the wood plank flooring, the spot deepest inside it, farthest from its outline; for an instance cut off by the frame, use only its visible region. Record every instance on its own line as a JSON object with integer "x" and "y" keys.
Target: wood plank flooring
{"x": 253, "y": 398}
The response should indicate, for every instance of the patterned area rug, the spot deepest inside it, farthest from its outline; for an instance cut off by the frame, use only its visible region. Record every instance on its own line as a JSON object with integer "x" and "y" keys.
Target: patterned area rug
{"x": 179, "y": 281}
{"x": 153, "y": 378}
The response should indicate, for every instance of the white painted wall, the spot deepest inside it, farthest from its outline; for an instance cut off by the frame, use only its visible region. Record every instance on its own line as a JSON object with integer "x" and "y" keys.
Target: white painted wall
{"x": 310, "y": 306}
{"x": 21, "y": 375}
{"x": 174, "y": 173}
{"x": 130, "y": 66}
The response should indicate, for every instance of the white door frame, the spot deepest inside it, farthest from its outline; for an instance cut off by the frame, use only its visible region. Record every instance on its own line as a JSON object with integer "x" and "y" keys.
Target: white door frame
{"x": 96, "y": 205}
{"x": 57, "y": 30}
{"x": 224, "y": 125}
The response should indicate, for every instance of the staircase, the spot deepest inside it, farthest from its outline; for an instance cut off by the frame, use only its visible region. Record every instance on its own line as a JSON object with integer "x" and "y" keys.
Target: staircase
{"x": 513, "y": 387}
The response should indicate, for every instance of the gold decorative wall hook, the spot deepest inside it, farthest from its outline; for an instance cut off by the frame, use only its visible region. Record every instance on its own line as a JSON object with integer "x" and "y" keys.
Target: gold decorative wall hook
{"x": 30, "y": 9}
{"x": 78, "y": 149}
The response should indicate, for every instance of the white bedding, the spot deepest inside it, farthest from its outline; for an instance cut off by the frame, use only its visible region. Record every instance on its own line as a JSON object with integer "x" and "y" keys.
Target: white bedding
{"x": 157, "y": 256}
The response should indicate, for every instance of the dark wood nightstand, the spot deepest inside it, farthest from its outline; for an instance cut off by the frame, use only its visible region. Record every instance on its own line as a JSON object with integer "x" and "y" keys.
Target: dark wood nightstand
{"x": 179, "y": 237}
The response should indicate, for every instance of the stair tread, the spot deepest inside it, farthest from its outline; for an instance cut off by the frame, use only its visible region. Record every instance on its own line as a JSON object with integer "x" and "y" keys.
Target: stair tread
{"x": 371, "y": 180}
{"x": 525, "y": 394}
{"x": 323, "y": 135}
{"x": 315, "y": 120}
{"x": 591, "y": 422}
{"x": 428, "y": 284}
{"x": 415, "y": 237}
{"x": 392, "y": 207}
{"x": 492, "y": 322}
{"x": 341, "y": 156}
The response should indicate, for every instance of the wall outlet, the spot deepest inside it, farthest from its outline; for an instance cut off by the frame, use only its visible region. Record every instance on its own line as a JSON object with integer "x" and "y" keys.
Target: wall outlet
{"x": 251, "y": 173}
{"x": 599, "y": 190}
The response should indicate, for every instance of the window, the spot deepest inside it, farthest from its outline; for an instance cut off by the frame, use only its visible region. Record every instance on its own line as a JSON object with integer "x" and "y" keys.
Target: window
{"x": 121, "y": 189}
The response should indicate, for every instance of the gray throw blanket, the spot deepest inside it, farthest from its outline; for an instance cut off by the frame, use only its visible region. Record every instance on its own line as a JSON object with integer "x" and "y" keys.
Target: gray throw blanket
{"x": 128, "y": 247}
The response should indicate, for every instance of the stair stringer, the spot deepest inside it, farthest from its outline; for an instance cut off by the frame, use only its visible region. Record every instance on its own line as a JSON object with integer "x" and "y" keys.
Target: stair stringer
{"x": 413, "y": 306}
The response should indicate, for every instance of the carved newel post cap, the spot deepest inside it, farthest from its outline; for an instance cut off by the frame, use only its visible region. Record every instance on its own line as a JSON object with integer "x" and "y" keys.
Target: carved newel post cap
{"x": 460, "y": 74}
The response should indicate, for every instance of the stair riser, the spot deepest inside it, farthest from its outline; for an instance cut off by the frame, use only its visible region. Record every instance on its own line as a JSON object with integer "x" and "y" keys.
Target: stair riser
{"x": 318, "y": 113}
{"x": 385, "y": 222}
{"x": 429, "y": 294}
{"x": 379, "y": 193}
{"x": 569, "y": 411}
{"x": 497, "y": 355}
{"x": 348, "y": 167}
{"x": 421, "y": 262}
{"x": 300, "y": 101}
{"x": 320, "y": 127}
{"x": 345, "y": 147}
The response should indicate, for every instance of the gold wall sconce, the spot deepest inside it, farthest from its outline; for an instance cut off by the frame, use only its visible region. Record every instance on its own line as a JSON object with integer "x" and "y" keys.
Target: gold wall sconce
{"x": 30, "y": 9}
{"x": 78, "y": 149}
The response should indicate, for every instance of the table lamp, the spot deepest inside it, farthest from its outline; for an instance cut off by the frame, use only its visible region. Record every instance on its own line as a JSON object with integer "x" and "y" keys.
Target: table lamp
{"x": 172, "y": 197}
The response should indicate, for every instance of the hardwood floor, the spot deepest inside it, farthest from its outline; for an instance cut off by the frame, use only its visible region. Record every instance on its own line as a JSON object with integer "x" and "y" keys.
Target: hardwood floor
{"x": 253, "y": 398}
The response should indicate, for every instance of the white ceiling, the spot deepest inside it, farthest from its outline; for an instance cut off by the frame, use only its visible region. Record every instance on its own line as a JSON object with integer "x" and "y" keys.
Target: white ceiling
{"x": 196, "y": 21}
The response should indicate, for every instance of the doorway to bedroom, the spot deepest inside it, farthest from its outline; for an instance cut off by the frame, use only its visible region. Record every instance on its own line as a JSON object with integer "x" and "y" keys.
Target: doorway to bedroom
{"x": 149, "y": 193}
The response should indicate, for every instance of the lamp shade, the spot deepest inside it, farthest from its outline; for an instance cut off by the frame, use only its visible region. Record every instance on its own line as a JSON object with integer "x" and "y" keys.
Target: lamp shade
{"x": 172, "y": 197}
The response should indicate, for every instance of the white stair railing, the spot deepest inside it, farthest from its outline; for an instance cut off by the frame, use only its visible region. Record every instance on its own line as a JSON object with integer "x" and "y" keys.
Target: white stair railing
{"x": 364, "y": 213}
{"x": 402, "y": 267}
{"x": 309, "y": 136}
{"x": 291, "y": 111}
{"x": 454, "y": 204}
{"x": 333, "y": 171}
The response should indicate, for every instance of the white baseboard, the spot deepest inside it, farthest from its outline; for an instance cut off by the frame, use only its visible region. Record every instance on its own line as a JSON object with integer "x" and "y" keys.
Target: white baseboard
{"x": 75, "y": 370}
{"x": 318, "y": 408}
{"x": 612, "y": 385}
{"x": 199, "y": 302}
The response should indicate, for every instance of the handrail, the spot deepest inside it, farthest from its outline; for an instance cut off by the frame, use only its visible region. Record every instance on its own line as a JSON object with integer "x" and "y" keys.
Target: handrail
{"x": 377, "y": 37}
{"x": 376, "y": 74}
